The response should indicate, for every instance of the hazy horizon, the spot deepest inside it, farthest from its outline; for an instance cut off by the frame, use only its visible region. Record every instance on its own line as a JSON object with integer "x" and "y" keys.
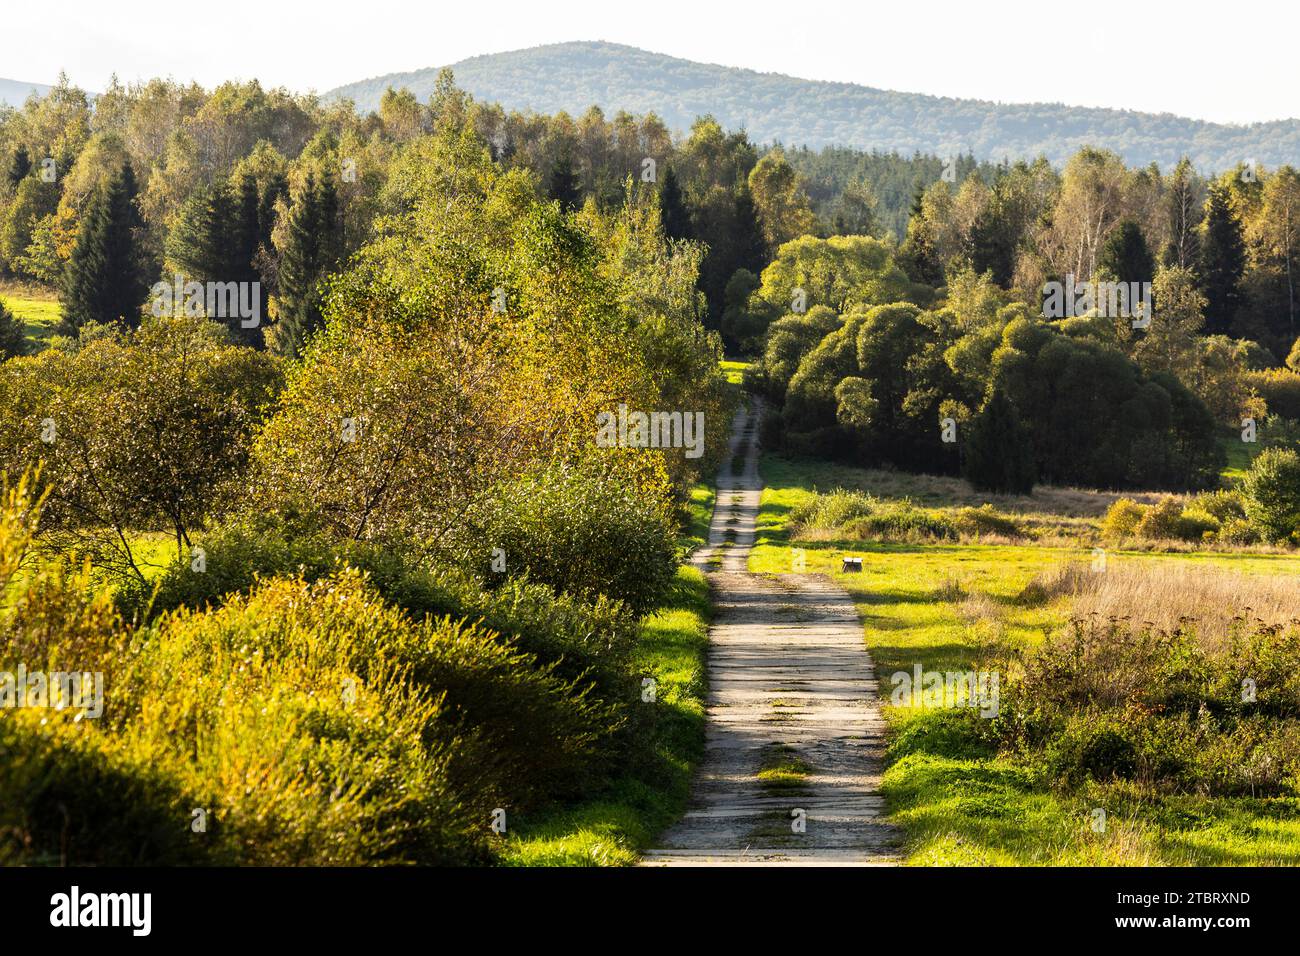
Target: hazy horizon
{"x": 933, "y": 54}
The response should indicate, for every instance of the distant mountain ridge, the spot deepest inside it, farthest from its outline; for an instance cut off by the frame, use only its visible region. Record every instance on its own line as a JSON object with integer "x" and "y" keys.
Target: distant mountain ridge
{"x": 773, "y": 107}
{"x": 15, "y": 92}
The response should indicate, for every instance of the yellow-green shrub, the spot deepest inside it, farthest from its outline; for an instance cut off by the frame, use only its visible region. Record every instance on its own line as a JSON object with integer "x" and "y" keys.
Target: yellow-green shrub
{"x": 1122, "y": 519}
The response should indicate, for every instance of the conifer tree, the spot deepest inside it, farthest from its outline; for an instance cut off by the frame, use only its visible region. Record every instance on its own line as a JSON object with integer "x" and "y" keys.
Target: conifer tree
{"x": 200, "y": 244}
{"x": 1223, "y": 260}
{"x": 13, "y": 336}
{"x": 20, "y": 165}
{"x": 216, "y": 238}
{"x": 1126, "y": 256}
{"x": 917, "y": 256}
{"x": 673, "y": 213}
{"x": 563, "y": 186}
{"x": 306, "y": 243}
{"x": 751, "y": 245}
{"x": 106, "y": 280}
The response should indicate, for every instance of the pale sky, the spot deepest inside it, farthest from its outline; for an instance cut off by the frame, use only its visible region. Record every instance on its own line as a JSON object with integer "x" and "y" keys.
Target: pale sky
{"x": 1228, "y": 62}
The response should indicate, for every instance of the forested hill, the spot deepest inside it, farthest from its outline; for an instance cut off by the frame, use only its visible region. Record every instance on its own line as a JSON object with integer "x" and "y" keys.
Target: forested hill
{"x": 773, "y": 107}
{"x": 15, "y": 92}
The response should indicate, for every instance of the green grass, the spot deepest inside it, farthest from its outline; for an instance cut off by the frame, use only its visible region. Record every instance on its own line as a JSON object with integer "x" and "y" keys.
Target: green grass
{"x": 1240, "y": 455}
{"x": 734, "y": 370}
{"x": 614, "y": 827}
{"x": 41, "y": 316}
{"x": 698, "y": 513}
{"x": 782, "y": 770}
{"x": 962, "y": 808}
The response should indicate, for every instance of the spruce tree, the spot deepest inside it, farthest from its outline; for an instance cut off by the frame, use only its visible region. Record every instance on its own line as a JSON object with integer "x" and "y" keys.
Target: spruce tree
{"x": 106, "y": 280}
{"x": 726, "y": 221}
{"x": 1223, "y": 260}
{"x": 672, "y": 208}
{"x": 998, "y": 456}
{"x": 297, "y": 306}
{"x": 246, "y": 238}
{"x": 751, "y": 246}
{"x": 1126, "y": 256}
{"x": 327, "y": 224}
{"x": 13, "y": 336}
{"x": 562, "y": 184}
{"x": 917, "y": 256}
{"x": 247, "y": 233}
{"x": 216, "y": 238}
{"x": 992, "y": 246}
{"x": 20, "y": 165}
{"x": 200, "y": 245}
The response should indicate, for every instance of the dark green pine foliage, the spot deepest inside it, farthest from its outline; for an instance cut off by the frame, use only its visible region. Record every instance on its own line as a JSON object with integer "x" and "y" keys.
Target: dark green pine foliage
{"x": 20, "y": 165}
{"x": 106, "y": 279}
{"x": 246, "y": 238}
{"x": 216, "y": 239}
{"x": 13, "y": 336}
{"x": 311, "y": 250}
{"x": 673, "y": 213}
{"x": 993, "y": 244}
{"x": 327, "y": 224}
{"x": 1223, "y": 260}
{"x": 194, "y": 243}
{"x": 998, "y": 455}
{"x": 562, "y": 184}
{"x": 751, "y": 247}
{"x": 1126, "y": 255}
{"x": 917, "y": 255}
{"x": 727, "y": 222}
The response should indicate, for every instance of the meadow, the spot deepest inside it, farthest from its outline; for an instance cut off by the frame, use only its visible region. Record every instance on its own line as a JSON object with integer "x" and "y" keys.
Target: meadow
{"x": 961, "y": 606}
{"x": 37, "y": 308}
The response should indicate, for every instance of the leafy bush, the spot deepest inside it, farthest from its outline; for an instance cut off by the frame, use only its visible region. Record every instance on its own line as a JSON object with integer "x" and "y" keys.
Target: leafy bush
{"x": 316, "y": 686}
{"x": 831, "y": 510}
{"x": 1271, "y": 494}
{"x": 1237, "y": 531}
{"x": 585, "y": 532}
{"x": 151, "y": 431}
{"x": 1222, "y": 505}
{"x": 72, "y": 796}
{"x": 1168, "y": 519}
{"x": 1093, "y": 747}
{"x": 1103, "y": 702}
{"x": 588, "y": 640}
{"x": 902, "y": 521}
{"x": 314, "y": 723}
{"x": 1280, "y": 389}
{"x": 1161, "y": 520}
{"x": 1122, "y": 519}
{"x": 986, "y": 520}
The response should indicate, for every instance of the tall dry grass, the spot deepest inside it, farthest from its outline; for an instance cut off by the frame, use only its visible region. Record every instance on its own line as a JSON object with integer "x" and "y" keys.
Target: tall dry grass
{"x": 1211, "y": 600}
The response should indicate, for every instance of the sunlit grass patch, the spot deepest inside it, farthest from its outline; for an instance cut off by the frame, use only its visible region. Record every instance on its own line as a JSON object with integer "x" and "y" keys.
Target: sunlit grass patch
{"x": 40, "y": 315}
{"x": 697, "y": 514}
{"x": 734, "y": 370}
{"x": 616, "y": 825}
{"x": 782, "y": 769}
{"x": 949, "y": 605}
